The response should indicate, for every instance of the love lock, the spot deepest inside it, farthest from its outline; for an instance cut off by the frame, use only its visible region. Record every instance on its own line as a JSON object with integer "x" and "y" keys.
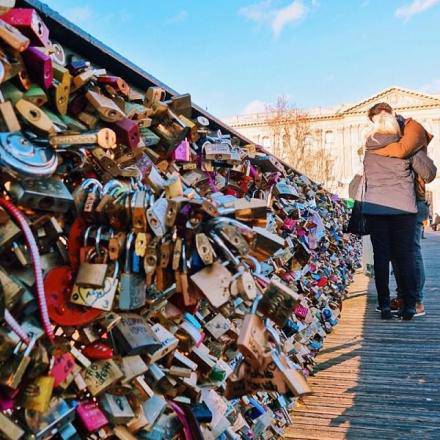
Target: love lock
{"x": 58, "y": 285}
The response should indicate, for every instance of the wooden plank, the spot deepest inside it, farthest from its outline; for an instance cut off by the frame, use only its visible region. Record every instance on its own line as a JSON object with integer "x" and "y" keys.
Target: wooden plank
{"x": 377, "y": 379}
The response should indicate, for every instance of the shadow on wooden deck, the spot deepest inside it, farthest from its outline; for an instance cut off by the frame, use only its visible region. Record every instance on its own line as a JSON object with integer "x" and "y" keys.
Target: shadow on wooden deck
{"x": 378, "y": 379}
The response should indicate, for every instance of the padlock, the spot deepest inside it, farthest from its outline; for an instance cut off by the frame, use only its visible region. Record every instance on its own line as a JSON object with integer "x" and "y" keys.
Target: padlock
{"x": 38, "y": 394}
{"x": 91, "y": 416}
{"x": 127, "y": 132}
{"x": 117, "y": 408}
{"x": 47, "y": 195}
{"x": 116, "y": 82}
{"x": 91, "y": 274}
{"x": 293, "y": 378}
{"x": 134, "y": 335}
{"x": 244, "y": 285}
{"x": 29, "y": 22}
{"x": 138, "y": 211}
{"x": 217, "y": 151}
{"x": 278, "y": 302}
{"x": 98, "y": 298}
{"x": 39, "y": 65}
{"x": 13, "y": 37}
{"x": 107, "y": 109}
{"x": 253, "y": 339}
{"x": 101, "y": 375}
{"x": 213, "y": 281}
{"x": 156, "y": 216}
{"x": 154, "y": 94}
{"x": 35, "y": 116}
{"x": 173, "y": 187}
{"x": 132, "y": 288}
{"x": 12, "y": 373}
{"x": 204, "y": 248}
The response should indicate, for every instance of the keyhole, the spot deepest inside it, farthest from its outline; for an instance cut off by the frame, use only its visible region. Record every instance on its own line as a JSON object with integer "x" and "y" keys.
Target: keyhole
{"x": 119, "y": 403}
{"x": 34, "y": 114}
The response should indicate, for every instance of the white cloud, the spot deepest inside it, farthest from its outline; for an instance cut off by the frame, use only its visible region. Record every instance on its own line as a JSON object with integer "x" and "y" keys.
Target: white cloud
{"x": 79, "y": 14}
{"x": 255, "y": 106}
{"x": 415, "y": 7}
{"x": 277, "y": 18}
{"x": 433, "y": 87}
{"x": 179, "y": 17}
{"x": 290, "y": 14}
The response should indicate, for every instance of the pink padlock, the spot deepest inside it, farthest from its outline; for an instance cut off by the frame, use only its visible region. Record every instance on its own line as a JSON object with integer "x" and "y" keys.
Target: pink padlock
{"x": 289, "y": 224}
{"x": 91, "y": 416}
{"x": 182, "y": 153}
{"x": 300, "y": 311}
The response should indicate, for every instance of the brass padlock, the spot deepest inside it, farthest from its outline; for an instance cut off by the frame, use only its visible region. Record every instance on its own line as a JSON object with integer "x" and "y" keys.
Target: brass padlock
{"x": 107, "y": 109}
{"x": 204, "y": 248}
{"x": 213, "y": 281}
{"x": 253, "y": 339}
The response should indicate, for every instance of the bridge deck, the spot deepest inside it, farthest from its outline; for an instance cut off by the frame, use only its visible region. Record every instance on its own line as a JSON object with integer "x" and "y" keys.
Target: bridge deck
{"x": 378, "y": 379}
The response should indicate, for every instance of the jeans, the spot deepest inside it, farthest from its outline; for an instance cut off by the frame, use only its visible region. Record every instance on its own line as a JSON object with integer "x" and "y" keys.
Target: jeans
{"x": 392, "y": 237}
{"x": 422, "y": 215}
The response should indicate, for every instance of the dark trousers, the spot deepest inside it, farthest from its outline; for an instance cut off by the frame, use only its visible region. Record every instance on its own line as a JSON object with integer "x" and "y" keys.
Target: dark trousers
{"x": 392, "y": 237}
{"x": 422, "y": 215}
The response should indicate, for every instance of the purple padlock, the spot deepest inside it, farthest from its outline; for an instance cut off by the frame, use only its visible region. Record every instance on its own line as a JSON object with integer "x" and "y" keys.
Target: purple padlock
{"x": 182, "y": 153}
{"x": 39, "y": 66}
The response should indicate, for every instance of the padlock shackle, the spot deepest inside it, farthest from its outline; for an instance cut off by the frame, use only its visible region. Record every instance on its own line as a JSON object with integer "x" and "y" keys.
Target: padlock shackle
{"x": 87, "y": 234}
{"x": 218, "y": 221}
{"x": 96, "y": 184}
{"x": 128, "y": 244}
{"x": 111, "y": 185}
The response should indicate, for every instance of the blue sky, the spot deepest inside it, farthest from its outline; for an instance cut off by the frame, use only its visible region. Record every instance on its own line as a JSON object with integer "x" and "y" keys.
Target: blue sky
{"x": 234, "y": 56}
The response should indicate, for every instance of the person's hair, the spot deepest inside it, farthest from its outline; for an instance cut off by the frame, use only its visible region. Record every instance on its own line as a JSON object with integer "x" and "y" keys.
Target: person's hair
{"x": 378, "y": 108}
{"x": 384, "y": 123}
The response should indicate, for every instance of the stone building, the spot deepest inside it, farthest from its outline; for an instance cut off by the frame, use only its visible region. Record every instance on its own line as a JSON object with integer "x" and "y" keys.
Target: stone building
{"x": 340, "y": 132}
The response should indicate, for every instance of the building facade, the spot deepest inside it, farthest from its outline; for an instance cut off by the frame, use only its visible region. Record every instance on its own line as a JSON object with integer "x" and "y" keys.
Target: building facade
{"x": 340, "y": 133}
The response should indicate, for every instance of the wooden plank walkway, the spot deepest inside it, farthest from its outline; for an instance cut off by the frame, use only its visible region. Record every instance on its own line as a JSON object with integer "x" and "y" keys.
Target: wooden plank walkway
{"x": 378, "y": 379}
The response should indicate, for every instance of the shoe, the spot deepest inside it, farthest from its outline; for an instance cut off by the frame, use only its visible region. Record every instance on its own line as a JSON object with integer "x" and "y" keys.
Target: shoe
{"x": 386, "y": 314}
{"x": 420, "y": 310}
{"x": 406, "y": 314}
{"x": 378, "y": 309}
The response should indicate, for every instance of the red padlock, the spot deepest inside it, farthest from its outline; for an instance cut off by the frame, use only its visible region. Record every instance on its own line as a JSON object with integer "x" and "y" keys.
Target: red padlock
{"x": 58, "y": 285}
{"x": 30, "y": 24}
{"x": 39, "y": 66}
{"x": 322, "y": 282}
{"x": 98, "y": 350}
{"x": 127, "y": 132}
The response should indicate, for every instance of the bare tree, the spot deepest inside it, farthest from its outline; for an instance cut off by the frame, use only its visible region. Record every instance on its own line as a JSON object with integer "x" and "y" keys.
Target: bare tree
{"x": 289, "y": 128}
